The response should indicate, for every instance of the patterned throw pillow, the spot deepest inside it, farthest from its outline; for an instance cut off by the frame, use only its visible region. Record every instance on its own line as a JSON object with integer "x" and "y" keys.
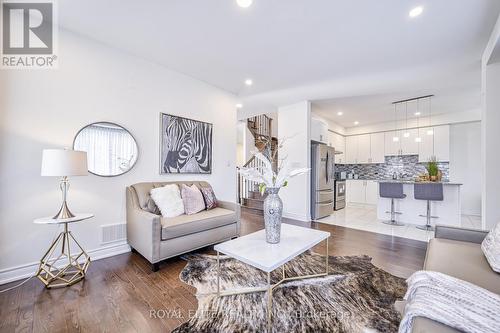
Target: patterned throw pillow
{"x": 209, "y": 197}
{"x": 152, "y": 207}
{"x": 168, "y": 199}
{"x": 192, "y": 198}
{"x": 491, "y": 248}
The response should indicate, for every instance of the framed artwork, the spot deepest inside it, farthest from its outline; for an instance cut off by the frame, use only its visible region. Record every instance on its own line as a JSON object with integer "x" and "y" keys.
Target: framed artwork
{"x": 185, "y": 145}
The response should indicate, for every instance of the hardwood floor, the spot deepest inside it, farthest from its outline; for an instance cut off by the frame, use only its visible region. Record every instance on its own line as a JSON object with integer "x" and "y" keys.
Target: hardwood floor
{"x": 120, "y": 292}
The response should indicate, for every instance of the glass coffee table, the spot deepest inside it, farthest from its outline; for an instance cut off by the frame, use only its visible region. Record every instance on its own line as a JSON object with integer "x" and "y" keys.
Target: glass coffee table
{"x": 252, "y": 249}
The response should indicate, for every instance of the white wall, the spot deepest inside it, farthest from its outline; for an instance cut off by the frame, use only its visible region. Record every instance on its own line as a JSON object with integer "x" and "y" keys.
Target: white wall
{"x": 490, "y": 86}
{"x": 45, "y": 108}
{"x": 293, "y": 124}
{"x": 465, "y": 162}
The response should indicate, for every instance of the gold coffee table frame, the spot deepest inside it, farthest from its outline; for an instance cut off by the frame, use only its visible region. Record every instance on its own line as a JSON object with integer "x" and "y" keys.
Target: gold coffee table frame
{"x": 270, "y": 287}
{"x": 63, "y": 268}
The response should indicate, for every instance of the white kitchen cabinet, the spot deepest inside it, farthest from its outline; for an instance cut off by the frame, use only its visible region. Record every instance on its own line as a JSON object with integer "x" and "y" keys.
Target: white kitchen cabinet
{"x": 337, "y": 141}
{"x": 392, "y": 148}
{"x": 437, "y": 144}
{"x": 319, "y": 131}
{"x": 351, "y": 149}
{"x": 362, "y": 191}
{"x": 442, "y": 143}
{"x": 426, "y": 147}
{"x": 377, "y": 151}
{"x": 364, "y": 149}
{"x": 356, "y": 191}
{"x": 372, "y": 194}
{"x": 408, "y": 145}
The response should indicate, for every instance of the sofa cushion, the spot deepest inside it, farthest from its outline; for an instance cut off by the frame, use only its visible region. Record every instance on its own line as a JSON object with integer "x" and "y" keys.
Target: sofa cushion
{"x": 462, "y": 260}
{"x": 192, "y": 199}
{"x": 189, "y": 224}
{"x": 491, "y": 248}
{"x": 168, "y": 199}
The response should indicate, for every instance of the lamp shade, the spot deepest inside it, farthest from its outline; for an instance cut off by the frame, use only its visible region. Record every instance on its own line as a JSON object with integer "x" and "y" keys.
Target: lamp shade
{"x": 64, "y": 162}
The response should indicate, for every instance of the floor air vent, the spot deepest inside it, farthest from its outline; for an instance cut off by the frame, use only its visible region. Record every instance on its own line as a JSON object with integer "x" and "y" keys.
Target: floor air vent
{"x": 113, "y": 232}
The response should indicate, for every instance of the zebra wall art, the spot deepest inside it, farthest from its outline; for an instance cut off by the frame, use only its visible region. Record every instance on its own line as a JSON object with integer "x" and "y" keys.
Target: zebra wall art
{"x": 186, "y": 145}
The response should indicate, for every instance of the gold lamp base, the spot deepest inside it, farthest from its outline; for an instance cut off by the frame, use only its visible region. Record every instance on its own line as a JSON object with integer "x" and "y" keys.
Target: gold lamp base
{"x": 64, "y": 268}
{"x": 64, "y": 212}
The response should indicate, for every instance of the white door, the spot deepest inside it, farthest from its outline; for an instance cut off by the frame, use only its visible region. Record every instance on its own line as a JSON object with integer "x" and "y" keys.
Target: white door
{"x": 351, "y": 149}
{"x": 377, "y": 148}
{"x": 364, "y": 153}
{"x": 358, "y": 191}
{"x": 372, "y": 192}
{"x": 392, "y": 147}
{"x": 442, "y": 143}
{"x": 426, "y": 146}
{"x": 409, "y": 145}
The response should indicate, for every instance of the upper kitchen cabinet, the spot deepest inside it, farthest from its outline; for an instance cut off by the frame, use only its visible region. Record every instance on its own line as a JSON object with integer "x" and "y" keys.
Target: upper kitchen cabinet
{"x": 442, "y": 143}
{"x": 364, "y": 148}
{"x": 337, "y": 141}
{"x": 392, "y": 147}
{"x": 408, "y": 145}
{"x": 319, "y": 131}
{"x": 377, "y": 150}
{"x": 351, "y": 149}
{"x": 435, "y": 143}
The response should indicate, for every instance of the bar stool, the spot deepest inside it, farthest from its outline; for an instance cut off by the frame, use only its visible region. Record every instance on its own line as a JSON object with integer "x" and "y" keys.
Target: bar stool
{"x": 429, "y": 192}
{"x": 392, "y": 191}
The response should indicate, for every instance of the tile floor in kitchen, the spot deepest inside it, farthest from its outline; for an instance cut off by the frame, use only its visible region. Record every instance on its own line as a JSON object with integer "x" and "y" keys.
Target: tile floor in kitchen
{"x": 365, "y": 218}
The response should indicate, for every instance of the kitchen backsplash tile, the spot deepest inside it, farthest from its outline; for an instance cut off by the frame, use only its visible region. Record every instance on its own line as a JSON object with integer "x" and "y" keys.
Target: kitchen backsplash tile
{"x": 406, "y": 165}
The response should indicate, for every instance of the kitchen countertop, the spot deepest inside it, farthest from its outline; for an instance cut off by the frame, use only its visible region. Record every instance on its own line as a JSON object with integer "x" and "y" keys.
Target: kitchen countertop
{"x": 407, "y": 181}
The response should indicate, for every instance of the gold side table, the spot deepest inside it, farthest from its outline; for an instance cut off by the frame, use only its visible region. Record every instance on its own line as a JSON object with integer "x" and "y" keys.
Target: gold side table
{"x": 68, "y": 265}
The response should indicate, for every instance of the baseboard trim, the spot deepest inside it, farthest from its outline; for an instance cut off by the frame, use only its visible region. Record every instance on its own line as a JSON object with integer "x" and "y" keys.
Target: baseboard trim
{"x": 298, "y": 217}
{"x": 23, "y": 271}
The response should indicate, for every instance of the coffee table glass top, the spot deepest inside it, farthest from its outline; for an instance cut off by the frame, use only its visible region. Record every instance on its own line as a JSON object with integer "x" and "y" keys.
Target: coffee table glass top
{"x": 253, "y": 249}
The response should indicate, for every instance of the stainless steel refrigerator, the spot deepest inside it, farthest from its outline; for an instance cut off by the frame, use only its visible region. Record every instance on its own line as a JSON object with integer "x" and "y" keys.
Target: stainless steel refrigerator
{"x": 322, "y": 180}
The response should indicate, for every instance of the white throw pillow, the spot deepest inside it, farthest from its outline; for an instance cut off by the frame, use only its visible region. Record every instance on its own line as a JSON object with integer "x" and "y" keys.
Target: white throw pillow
{"x": 491, "y": 248}
{"x": 168, "y": 199}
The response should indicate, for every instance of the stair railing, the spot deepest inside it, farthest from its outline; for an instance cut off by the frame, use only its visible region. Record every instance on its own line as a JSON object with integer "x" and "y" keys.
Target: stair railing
{"x": 246, "y": 186}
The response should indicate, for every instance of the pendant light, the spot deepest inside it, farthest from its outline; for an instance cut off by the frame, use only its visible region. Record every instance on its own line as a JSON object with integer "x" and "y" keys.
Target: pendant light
{"x": 418, "y": 139}
{"x": 395, "y": 138}
{"x": 406, "y": 133}
{"x": 430, "y": 131}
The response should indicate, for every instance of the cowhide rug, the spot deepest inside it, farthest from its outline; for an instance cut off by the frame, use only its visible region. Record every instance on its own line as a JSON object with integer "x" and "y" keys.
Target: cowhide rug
{"x": 355, "y": 297}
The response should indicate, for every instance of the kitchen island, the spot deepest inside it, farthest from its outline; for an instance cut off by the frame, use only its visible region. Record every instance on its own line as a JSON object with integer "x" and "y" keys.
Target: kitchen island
{"x": 448, "y": 210}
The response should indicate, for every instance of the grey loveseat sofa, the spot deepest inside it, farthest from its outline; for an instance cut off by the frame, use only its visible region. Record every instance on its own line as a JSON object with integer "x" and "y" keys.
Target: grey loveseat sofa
{"x": 456, "y": 252}
{"x": 157, "y": 238}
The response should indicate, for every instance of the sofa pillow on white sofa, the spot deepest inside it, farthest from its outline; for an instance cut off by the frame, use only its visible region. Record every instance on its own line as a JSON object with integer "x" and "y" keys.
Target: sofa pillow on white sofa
{"x": 168, "y": 199}
{"x": 491, "y": 248}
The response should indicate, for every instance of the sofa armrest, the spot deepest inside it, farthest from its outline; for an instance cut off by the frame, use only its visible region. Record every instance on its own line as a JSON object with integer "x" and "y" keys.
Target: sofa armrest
{"x": 143, "y": 230}
{"x": 235, "y": 207}
{"x": 460, "y": 234}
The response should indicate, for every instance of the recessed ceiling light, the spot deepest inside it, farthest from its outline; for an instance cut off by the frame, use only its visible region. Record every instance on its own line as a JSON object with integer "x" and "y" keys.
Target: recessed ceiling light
{"x": 244, "y": 3}
{"x": 417, "y": 113}
{"x": 248, "y": 82}
{"x": 239, "y": 106}
{"x": 340, "y": 113}
{"x": 416, "y": 11}
{"x": 356, "y": 123}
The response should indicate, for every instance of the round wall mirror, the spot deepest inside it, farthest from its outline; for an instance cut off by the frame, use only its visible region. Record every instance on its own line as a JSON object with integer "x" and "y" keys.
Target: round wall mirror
{"x": 111, "y": 149}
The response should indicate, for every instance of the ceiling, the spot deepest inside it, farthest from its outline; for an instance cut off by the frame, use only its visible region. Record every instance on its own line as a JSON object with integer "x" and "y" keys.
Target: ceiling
{"x": 283, "y": 44}
{"x": 371, "y": 109}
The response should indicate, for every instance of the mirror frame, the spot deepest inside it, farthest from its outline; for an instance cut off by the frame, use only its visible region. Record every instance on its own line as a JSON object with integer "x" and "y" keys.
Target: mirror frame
{"x": 114, "y": 124}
